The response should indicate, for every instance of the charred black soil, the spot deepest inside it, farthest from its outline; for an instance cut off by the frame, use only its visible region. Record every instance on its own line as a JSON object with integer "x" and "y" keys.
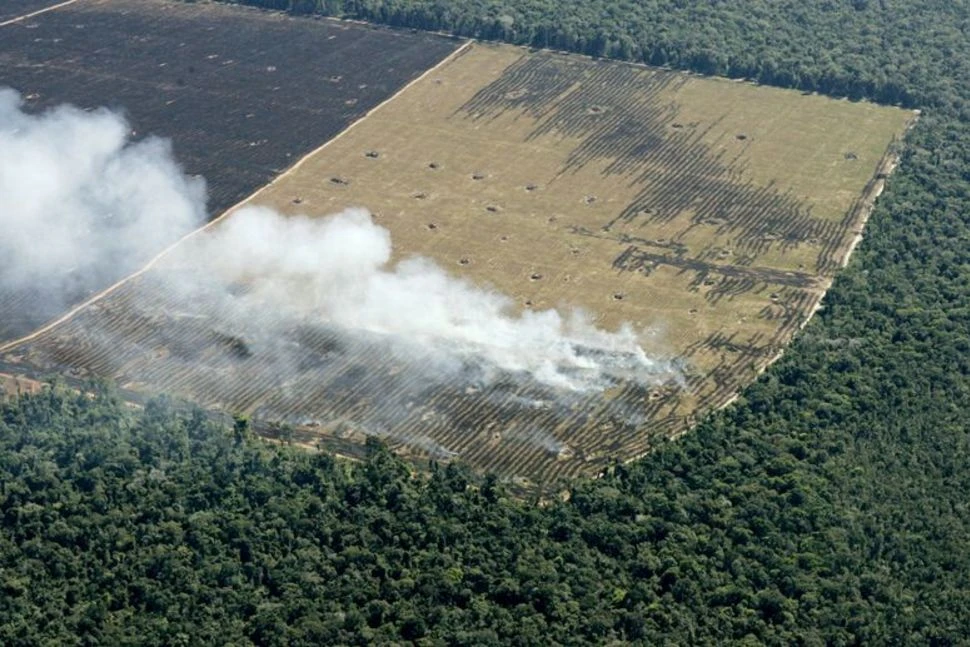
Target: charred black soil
{"x": 13, "y": 9}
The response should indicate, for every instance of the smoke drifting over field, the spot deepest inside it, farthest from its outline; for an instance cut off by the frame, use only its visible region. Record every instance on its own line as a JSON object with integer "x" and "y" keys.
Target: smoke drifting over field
{"x": 299, "y": 319}
{"x": 336, "y": 270}
{"x": 79, "y": 204}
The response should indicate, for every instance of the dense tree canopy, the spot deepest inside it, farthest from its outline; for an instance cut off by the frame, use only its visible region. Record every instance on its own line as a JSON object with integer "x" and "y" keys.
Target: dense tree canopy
{"x": 892, "y": 51}
{"x": 161, "y": 526}
{"x": 828, "y": 505}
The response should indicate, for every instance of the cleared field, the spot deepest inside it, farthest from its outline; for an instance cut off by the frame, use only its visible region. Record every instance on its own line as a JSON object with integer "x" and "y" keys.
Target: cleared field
{"x": 711, "y": 214}
{"x": 242, "y": 94}
{"x": 13, "y": 9}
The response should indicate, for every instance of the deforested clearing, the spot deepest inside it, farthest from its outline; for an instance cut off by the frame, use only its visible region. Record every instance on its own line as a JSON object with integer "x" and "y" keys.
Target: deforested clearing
{"x": 240, "y": 95}
{"x": 706, "y": 216}
{"x": 12, "y": 10}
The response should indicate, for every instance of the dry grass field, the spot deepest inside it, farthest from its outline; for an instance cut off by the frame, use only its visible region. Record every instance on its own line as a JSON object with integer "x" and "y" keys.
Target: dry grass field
{"x": 710, "y": 214}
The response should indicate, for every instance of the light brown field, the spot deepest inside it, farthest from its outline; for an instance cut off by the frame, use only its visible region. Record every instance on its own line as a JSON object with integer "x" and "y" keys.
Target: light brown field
{"x": 611, "y": 137}
{"x": 14, "y": 385}
{"x": 711, "y": 214}
{"x": 690, "y": 178}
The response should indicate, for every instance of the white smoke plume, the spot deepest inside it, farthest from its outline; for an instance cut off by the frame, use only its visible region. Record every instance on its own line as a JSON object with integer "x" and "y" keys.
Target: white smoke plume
{"x": 79, "y": 204}
{"x": 337, "y": 270}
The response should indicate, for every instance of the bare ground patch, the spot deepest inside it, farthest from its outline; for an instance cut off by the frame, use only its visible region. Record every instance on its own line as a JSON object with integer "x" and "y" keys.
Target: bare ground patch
{"x": 711, "y": 214}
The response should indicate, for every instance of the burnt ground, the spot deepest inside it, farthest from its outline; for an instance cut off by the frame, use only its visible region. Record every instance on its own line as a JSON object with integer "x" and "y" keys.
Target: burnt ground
{"x": 11, "y": 9}
{"x": 241, "y": 93}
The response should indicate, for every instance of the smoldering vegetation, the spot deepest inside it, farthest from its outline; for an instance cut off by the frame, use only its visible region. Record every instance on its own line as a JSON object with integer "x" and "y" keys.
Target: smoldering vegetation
{"x": 306, "y": 321}
{"x": 80, "y": 206}
{"x": 303, "y": 320}
{"x": 269, "y": 273}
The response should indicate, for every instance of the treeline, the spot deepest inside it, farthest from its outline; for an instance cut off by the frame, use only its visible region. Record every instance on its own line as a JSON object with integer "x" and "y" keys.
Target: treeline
{"x": 891, "y": 51}
{"x": 161, "y": 527}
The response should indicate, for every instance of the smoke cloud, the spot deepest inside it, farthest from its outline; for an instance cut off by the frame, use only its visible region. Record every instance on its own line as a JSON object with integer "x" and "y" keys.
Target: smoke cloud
{"x": 80, "y": 205}
{"x": 337, "y": 270}
{"x": 302, "y": 311}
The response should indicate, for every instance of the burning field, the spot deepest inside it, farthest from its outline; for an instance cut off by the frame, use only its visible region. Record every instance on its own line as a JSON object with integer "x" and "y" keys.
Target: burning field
{"x": 531, "y": 262}
{"x": 240, "y": 95}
